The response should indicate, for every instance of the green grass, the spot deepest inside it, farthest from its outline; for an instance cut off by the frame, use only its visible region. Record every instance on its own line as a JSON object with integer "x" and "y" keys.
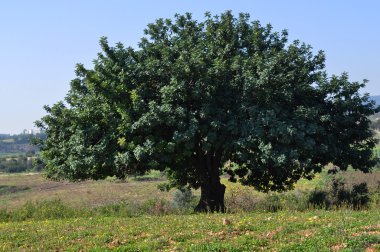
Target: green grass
{"x": 343, "y": 230}
{"x": 41, "y": 215}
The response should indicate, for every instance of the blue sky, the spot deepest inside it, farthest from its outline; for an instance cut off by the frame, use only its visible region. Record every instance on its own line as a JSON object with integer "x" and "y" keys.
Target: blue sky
{"x": 41, "y": 41}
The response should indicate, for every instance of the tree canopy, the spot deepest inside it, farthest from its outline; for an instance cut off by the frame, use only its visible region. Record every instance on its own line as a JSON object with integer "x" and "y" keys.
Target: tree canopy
{"x": 199, "y": 99}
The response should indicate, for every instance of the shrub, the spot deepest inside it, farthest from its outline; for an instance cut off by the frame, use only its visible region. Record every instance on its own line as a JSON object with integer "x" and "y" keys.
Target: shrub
{"x": 240, "y": 199}
{"x": 119, "y": 209}
{"x": 295, "y": 200}
{"x": 48, "y": 209}
{"x": 318, "y": 199}
{"x": 155, "y": 207}
{"x": 271, "y": 203}
{"x": 183, "y": 199}
{"x": 360, "y": 196}
{"x": 375, "y": 196}
{"x": 4, "y": 215}
{"x": 338, "y": 195}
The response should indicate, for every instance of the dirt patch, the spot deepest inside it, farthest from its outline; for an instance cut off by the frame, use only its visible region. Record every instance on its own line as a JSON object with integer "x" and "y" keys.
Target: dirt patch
{"x": 373, "y": 248}
{"x": 272, "y": 233}
{"x": 338, "y": 247}
{"x": 368, "y": 230}
{"x": 372, "y": 227}
{"x": 306, "y": 233}
{"x": 376, "y": 232}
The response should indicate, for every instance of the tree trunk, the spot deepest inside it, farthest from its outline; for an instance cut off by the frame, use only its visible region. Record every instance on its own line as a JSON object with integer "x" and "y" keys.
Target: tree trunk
{"x": 212, "y": 198}
{"x": 212, "y": 191}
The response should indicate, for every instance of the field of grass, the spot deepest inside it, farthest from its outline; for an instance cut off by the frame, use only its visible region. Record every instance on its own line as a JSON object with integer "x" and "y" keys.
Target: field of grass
{"x": 42, "y": 215}
{"x": 18, "y": 189}
{"x": 342, "y": 230}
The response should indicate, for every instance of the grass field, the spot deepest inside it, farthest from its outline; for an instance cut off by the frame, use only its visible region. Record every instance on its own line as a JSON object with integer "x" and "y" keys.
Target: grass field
{"x": 17, "y": 189}
{"x": 69, "y": 225}
{"x": 342, "y": 230}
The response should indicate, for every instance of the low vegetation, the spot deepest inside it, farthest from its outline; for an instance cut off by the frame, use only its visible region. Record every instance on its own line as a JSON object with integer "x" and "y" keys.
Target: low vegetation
{"x": 317, "y": 230}
{"x": 25, "y": 196}
{"x": 133, "y": 215}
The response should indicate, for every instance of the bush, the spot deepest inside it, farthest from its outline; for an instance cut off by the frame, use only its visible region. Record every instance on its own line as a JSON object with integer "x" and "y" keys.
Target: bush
{"x": 183, "y": 198}
{"x": 271, "y": 203}
{"x": 360, "y": 196}
{"x": 119, "y": 210}
{"x": 375, "y": 195}
{"x": 296, "y": 200}
{"x": 155, "y": 207}
{"x": 338, "y": 195}
{"x": 318, "y": 199}
{"x": 4, "y": 215}
{"x": 48, "y": 209}
{"x": 241, "y": 199}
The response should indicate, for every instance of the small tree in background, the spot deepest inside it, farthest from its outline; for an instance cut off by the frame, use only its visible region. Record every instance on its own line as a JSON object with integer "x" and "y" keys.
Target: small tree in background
{"x": 197, "y": 95}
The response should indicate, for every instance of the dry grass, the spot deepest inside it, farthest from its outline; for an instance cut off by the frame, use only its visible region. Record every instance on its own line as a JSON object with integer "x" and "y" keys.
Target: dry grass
{"x": 17, "y": 189}
{"x": 357, "y": 177}
{"x": 79, "y": 194}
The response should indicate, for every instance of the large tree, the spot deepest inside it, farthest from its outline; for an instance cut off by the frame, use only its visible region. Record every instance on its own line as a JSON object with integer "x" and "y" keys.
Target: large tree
{"x": 199, "y": 99}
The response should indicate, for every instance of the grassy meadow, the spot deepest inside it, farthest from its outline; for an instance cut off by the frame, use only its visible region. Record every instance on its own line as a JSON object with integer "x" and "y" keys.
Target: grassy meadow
{"x": 340, "y": 230}
{"x": 18, "y": 189}
{"x": 133, "y": 215}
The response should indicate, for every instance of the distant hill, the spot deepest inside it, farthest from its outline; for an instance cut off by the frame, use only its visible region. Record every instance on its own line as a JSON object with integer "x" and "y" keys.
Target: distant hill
{"x": 17, "y": 144}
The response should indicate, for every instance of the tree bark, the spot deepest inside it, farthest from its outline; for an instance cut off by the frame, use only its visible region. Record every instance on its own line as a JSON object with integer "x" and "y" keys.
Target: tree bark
{"x": 212, "y": 191}
{"x": 212, "y": 198}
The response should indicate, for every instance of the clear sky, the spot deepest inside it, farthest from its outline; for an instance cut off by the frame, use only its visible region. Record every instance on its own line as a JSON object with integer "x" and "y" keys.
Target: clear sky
{"x": 42, "y": 40}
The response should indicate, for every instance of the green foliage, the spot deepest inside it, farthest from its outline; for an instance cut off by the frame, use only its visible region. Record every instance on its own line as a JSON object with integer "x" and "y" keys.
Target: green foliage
{"x": 319, "y": 198}
{"x": 196, "y": 95}
{"x": 357, "y": 197}
{"x": 183, "y": 198}
{"x": 360, "y": 196}
{"x": 15, "y": 164}
{"x": 43, "y": 210}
